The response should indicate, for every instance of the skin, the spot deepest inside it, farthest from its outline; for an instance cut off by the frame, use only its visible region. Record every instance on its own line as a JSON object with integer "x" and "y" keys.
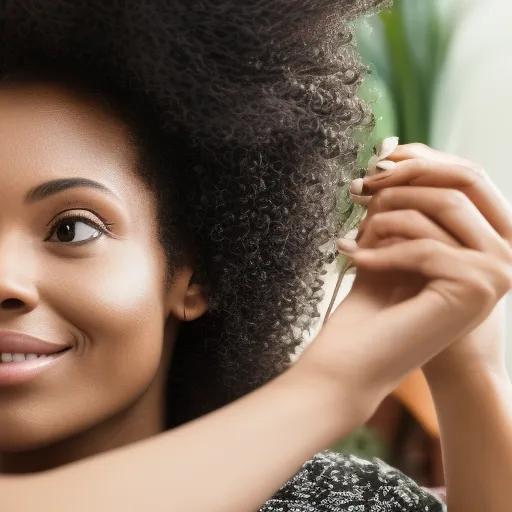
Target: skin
{"x": 470, "y": 376}
{"x": 334, "y": 387}
{"x": 319, "y": 399}
{"x": 108, "y": 389}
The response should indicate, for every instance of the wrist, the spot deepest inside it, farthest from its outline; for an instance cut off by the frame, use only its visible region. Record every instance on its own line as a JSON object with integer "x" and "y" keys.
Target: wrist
{"x": 469, "y": 385}
{"x": 450, "y": 373}
{"x": 341, "y": 408}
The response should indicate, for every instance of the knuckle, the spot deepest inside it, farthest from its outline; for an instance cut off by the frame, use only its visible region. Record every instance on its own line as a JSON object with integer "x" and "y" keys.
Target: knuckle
{"x": 417, "y": 147}
{"x": 478, "y": 171}
{"x": 491, "y": 280}
{"x": 507, "y": 255}
{"x": 483, "y": 289}
{"x": 377, "y": 225}
{"x": 413, "y": 216}
{"x": 474, "y": 173}
{"x": 505, "y": 278}
{"x": 453, "y": 199}
{"x": 383, "y": 198}
{"x": 420, "y": 164}
{"x": 428, "y": 248}
{"x": 478, "y": 282}
{"x": 379, "y": 220}
{"x": 417, "y": 166}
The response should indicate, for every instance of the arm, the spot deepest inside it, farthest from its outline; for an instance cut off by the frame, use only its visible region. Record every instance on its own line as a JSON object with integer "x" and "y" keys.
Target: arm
{"x": 459, "y": 121}
{"x": 236, "y": 458}
{"x": 469, "y": 383}
{"x": 334, "y": 387}
{"x": 474, "y": 407}
{"x": 250, "y": 447}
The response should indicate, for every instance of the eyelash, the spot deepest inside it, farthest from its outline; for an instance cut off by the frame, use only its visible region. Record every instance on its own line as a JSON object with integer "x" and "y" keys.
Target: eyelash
{"x": 102, "y": 227}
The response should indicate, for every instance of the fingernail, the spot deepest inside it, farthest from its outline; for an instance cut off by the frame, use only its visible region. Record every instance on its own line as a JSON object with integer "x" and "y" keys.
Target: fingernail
{"x": 363, "y": 200}
{"x": 356, "y": 187}
{"x": 347, "y": 246}
{"x": 386, "y": 147}
{"x": 386, "y": 165}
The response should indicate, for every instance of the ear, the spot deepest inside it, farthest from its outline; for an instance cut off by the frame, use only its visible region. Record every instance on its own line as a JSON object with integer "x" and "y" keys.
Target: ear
{"x": 186, "y": 300}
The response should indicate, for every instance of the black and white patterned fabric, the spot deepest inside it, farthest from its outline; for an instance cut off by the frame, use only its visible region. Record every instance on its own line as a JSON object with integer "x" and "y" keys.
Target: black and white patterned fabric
{"x": 331, "y": 482}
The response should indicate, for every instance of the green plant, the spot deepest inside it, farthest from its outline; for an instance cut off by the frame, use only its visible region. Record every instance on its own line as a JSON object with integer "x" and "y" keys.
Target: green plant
{"x": 405, "y": 48}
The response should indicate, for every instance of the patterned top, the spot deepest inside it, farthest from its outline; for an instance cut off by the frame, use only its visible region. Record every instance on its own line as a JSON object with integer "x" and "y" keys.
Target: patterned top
{"x": 331, "y": 482}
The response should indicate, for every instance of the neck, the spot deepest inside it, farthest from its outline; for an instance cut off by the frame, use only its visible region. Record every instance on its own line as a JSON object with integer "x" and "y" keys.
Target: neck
{"x": 144, "y": 419}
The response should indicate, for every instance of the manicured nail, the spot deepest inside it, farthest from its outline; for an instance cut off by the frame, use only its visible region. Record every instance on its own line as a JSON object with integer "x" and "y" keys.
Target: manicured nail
{"x": 356, "y": 187}
{"x": 386, "y": 147}
{"x": 363, "y": 200}
{"x": 347, "y": 246}
{"x": 386, "y": 165}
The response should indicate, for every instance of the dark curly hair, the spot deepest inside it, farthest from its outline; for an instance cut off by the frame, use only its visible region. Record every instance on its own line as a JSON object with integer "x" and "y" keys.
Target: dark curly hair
{"x": 243, "y": 113}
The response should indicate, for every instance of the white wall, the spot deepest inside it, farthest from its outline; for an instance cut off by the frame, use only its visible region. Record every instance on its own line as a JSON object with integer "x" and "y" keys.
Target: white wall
{"x": 473, "y": 109}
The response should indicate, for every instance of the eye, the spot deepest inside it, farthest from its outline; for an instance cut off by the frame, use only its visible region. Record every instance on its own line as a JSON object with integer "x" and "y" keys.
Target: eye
{"x": 75, "y": 230}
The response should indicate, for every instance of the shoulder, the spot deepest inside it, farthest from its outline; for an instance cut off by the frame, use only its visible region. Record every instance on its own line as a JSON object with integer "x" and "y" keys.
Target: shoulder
{"x": 331, "y": 482}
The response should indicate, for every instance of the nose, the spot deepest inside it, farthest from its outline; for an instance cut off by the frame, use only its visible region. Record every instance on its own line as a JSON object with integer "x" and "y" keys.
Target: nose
{"x": 18, "y": 291}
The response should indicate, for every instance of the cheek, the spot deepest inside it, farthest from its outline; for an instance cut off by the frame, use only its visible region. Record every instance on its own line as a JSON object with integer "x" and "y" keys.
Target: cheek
{"x": 115, "y": 301}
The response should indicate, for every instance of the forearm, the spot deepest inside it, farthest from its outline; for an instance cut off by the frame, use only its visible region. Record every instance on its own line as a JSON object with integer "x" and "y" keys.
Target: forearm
{"x": 475, "y": 416}
{"x": 230, "y": 461}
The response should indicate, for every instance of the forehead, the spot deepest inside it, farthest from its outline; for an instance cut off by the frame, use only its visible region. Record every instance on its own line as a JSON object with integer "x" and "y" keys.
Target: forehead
{"x": 47, "y": 132}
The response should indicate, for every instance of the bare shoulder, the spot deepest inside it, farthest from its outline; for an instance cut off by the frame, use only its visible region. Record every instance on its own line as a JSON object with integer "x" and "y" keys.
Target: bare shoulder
{"x": 332, "y": 482}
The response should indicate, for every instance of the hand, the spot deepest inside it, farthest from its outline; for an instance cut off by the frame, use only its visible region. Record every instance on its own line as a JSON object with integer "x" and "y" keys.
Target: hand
{"x": 431, "y": 268}
{"x": 419, "y": 165}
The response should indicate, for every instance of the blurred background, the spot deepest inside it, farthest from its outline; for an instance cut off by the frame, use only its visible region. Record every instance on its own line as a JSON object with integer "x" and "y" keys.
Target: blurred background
{"x": 442, "y": 75}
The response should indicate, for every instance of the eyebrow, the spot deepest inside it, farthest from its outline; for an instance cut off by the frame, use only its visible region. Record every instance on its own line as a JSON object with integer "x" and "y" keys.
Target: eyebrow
{"x": 53, "y": 187}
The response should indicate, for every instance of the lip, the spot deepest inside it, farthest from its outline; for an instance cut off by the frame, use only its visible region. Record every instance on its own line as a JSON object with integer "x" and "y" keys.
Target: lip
{"x": 18, "y": 343}
{"x": 14, "y": 374}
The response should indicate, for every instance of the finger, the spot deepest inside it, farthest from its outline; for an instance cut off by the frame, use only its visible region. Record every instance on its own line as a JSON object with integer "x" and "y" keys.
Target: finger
{"x": 418, "y": 150}
{"x": 428, "y": 173}
{"x": 448, "y": 208}
{"x": 403, "y": 224}
{"x": 475, "y": 273}
{"x": 462, "y": 287}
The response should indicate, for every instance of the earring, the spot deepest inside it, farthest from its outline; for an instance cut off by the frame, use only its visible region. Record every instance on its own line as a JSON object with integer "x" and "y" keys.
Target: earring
{"x": 185, "y": 314}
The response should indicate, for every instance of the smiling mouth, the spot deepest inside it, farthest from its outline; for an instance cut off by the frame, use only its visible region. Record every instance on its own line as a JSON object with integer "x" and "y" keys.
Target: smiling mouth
{"x": 6, "y": 357}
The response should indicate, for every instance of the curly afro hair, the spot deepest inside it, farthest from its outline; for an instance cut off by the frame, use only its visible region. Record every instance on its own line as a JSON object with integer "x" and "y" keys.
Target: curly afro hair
{"x": 244, "y": 115}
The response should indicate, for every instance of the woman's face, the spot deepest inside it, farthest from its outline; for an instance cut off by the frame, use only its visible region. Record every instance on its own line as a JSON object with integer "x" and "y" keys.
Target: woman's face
{"x": 80, "y": 267}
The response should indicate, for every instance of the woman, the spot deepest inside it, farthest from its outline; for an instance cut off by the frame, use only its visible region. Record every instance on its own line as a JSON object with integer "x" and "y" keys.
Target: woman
{"x": 170, "y": 173}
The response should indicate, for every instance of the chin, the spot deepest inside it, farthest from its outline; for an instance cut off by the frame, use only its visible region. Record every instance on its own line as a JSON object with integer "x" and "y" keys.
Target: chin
{"x": 20, "y": 433}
